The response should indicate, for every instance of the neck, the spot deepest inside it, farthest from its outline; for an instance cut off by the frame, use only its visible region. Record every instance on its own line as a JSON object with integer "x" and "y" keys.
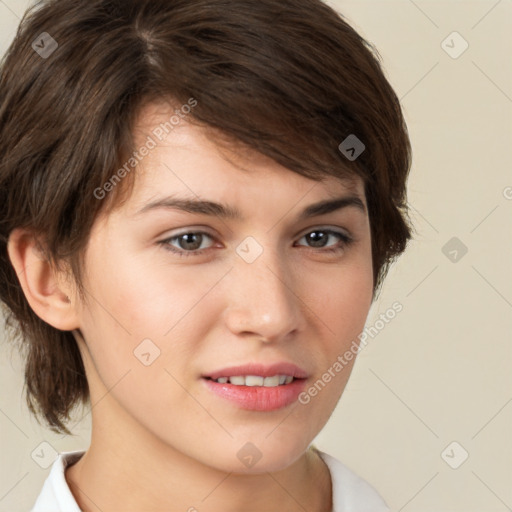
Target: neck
{"x": 111, "y": 477}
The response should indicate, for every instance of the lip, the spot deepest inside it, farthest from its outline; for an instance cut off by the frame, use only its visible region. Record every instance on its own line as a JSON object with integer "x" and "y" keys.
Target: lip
{"x": 282, "y": 368}
{"x": 258, "y": 398}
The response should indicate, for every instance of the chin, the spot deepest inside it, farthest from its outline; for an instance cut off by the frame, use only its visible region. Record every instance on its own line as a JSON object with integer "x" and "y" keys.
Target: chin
{"x": 258, "y": 454}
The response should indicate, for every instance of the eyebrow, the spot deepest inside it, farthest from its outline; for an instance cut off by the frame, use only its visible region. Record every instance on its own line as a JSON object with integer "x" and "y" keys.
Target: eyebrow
{"x": 224, "y": 211}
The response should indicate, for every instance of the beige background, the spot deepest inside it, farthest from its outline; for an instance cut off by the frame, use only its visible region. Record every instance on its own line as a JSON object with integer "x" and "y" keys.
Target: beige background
{"x": 440, "y": 372}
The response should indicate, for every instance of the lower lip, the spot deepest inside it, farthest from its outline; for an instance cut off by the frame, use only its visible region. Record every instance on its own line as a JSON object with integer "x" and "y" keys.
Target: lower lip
{"x": 258, "y": 398}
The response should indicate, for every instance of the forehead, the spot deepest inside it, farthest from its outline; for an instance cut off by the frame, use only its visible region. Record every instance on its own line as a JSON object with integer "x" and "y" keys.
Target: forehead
{"x": 187, "y": 157}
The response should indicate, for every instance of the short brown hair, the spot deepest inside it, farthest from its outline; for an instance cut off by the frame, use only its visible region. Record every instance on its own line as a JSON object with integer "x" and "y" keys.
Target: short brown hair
{"x": 288, "y": 78}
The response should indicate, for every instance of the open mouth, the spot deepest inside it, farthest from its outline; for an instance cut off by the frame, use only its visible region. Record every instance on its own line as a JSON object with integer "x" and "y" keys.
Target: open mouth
{"x": 257, "y": 393}
{"x": 256, "y": 386}
{"x": 255, "y": 380}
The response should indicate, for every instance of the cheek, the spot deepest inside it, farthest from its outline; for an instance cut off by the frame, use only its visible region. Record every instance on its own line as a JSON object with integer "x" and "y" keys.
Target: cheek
{"x": 341, "y": 305}
{"x": 143, "y": 313}
{"x": 131, "y": 358}
{"x": 145, "y": 299}
{"x": 341, "y": 300}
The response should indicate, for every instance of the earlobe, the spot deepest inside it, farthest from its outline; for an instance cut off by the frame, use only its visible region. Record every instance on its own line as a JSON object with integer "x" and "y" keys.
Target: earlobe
{"x": 46, "y": 289}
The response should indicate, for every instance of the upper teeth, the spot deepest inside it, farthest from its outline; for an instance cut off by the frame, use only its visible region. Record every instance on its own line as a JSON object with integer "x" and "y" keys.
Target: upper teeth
{"x": 256, "y": 380}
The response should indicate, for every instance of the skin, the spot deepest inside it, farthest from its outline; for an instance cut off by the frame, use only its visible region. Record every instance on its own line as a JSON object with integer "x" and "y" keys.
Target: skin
{"x": 160, "y": 439}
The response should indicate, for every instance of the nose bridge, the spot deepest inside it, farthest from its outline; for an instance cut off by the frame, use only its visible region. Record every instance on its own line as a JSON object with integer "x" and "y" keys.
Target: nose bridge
{"x": 262, "y": 300}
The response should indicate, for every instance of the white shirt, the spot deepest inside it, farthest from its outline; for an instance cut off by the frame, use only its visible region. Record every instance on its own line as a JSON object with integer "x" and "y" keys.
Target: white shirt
{"x": 350, "y": 493}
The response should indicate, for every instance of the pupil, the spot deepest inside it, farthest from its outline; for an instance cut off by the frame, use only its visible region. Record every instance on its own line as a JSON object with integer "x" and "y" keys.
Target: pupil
{"x": 188, "y": 241}
{"x": 314, "y": 238}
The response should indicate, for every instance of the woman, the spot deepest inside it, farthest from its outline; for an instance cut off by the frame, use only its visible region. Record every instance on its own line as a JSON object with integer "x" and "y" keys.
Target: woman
{"x": 199, "y": 202}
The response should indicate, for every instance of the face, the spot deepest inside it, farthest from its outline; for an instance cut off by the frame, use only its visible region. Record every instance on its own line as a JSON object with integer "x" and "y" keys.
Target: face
{"x": 181, "y": 301}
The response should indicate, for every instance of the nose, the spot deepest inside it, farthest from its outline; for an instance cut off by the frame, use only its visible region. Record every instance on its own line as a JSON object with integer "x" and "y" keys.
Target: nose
{"x": 262, "y": 300}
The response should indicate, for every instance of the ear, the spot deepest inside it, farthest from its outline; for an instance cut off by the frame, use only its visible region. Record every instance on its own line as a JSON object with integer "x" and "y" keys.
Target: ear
{"x": 47, "y": 290}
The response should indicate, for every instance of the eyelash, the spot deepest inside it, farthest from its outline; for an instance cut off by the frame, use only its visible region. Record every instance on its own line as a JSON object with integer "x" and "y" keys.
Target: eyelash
{"x": 346, "y": 242}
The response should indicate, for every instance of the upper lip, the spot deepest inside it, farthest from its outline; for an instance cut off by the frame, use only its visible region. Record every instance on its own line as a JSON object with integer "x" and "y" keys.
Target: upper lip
{"x": 263, "y": 370}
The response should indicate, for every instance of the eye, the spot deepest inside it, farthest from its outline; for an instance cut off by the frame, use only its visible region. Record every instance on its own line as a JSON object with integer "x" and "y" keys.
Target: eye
{"x": 320, "y": 236}
{"x": 190, "y": 243}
